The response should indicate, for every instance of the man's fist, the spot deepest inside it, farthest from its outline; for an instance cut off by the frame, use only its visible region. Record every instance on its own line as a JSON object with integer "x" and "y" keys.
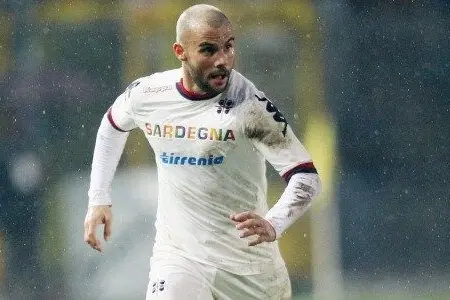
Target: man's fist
{"x": 97, "y": 215}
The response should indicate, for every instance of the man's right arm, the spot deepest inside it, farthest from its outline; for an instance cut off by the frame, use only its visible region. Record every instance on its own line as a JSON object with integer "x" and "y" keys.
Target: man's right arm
{"x": 108, "y": 149}
{"x": 111, "y": 138}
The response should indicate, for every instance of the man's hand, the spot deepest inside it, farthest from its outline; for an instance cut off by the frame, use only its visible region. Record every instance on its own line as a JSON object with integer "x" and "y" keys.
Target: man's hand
{"x": 251, "y": 224}
{"x": 97, "y": 215}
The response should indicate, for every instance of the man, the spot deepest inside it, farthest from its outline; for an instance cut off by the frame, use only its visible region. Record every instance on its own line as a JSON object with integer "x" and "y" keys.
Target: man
{"x": 211, "y": 130}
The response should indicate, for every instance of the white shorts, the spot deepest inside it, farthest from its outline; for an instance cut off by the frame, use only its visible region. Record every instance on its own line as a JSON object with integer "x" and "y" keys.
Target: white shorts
{"x": 178, "y": 278}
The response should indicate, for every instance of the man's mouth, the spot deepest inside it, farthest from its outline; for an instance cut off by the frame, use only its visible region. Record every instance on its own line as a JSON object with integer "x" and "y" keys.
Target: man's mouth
{"x": 219, "y": 80}
{"x": 223, "y": 76}
{"x": 219, "y": 75}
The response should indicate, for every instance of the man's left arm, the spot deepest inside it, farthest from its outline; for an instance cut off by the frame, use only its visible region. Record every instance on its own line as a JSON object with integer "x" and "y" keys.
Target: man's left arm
{"x": 289, "y": 157}
{"x": 294, "y": 202}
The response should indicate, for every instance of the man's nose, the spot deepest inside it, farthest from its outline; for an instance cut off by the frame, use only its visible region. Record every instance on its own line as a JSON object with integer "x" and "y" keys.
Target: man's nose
{"x": 222, "y": 59}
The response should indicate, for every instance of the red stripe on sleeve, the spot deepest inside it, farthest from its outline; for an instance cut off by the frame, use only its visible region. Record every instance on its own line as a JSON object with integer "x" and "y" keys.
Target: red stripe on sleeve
{"x": 300, "y": 168}
{"x": 111, "y": 121}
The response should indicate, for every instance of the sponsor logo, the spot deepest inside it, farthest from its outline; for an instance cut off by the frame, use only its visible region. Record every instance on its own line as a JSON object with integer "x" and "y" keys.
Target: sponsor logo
{"x": 172, "y": 159}
{"x": 189, "y": 132}
{"x": 158, "y": 89}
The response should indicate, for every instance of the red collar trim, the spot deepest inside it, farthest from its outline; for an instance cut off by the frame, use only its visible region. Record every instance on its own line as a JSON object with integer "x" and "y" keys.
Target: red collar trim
{"x": 190, "y": 94}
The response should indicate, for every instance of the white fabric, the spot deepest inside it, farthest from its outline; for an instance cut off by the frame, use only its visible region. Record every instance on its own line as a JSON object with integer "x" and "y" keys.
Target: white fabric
{"x": 210, "y": 156}
{"x": 108, "y": 149}
{"x": 175, "y": 277}
{"x": 294, "y": 202}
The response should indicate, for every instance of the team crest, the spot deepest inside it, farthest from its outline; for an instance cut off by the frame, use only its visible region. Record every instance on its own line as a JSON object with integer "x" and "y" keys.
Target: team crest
{"x": 225, "y": 105}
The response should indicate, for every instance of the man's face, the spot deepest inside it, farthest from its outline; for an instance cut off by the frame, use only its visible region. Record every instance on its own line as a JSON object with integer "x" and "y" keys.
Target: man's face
{"x": 209, "y": 58}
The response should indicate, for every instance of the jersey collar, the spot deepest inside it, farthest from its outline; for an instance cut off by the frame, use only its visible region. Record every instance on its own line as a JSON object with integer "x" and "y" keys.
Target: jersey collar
{"x": 190, "y": 94}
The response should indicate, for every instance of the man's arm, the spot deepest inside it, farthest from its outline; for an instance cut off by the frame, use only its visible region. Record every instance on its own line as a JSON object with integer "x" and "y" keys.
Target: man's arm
{"x": 271, "y": 135}
{"x": 109, "y": 146}
{"x": 293, "y": 203}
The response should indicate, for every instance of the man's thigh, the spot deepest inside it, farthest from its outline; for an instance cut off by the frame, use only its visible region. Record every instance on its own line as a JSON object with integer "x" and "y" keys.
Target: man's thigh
{"x": 271, "y": 285}
{"x": 177, "y": 278}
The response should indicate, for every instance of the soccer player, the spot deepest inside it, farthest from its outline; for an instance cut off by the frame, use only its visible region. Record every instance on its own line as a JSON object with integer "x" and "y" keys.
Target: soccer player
{"x": 211, "y": 130}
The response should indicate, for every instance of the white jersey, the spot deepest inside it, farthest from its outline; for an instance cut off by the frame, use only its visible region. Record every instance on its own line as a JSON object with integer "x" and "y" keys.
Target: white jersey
{"x": 210, "y": 155}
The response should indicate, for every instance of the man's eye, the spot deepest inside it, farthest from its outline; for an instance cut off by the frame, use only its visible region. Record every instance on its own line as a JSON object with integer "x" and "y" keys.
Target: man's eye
{"x": 208, "y": 50}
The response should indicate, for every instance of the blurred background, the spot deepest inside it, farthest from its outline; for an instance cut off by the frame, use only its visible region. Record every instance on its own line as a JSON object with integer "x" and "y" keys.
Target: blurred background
{"x": 364, "y": 84}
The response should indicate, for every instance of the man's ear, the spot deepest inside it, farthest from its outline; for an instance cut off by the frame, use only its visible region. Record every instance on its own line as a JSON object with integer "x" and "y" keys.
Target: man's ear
{"x": 179, "y": 51}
